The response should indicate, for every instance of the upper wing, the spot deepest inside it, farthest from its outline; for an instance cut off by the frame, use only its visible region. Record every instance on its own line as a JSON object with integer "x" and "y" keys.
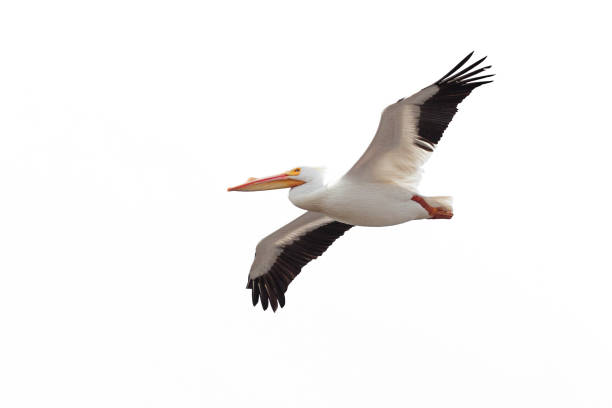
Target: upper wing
{"x": 280, "y": 256}
{"x": 410, "y": 128}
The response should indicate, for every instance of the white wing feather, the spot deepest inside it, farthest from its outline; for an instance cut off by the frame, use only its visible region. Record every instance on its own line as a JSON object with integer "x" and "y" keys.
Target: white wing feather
{"x": 393, "y": 156}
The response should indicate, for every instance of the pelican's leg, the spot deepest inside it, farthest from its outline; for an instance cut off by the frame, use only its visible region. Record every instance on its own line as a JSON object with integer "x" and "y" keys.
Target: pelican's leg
{"x": 434, "y": 212}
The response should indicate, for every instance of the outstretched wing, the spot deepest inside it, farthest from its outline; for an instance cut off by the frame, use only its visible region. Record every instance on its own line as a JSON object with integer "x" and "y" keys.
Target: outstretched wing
{"x": 280, "y": 256}
{"x": 411, "y": 128}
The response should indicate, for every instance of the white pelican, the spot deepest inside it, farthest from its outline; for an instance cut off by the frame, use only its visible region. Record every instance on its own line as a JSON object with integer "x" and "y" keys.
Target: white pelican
{"x": 379, "y": 190}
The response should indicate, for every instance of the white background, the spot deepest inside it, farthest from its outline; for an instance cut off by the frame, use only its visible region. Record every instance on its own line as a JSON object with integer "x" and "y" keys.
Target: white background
{"x": 124, "y": 260}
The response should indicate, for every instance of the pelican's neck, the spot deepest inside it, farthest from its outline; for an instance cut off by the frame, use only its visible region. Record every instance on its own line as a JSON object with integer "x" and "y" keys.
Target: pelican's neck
{"x": 308, "y": 196}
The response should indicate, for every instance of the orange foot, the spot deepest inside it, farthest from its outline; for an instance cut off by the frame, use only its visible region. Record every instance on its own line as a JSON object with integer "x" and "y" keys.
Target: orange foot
{"x": 434, "y": 212}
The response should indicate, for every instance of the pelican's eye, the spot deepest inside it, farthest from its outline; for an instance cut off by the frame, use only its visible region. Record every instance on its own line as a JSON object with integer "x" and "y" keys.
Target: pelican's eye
{"x": 294, "y": 172}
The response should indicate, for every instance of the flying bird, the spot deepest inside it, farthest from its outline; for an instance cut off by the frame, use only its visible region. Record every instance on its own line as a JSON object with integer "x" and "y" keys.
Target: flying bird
{"x": 379, "y": 190}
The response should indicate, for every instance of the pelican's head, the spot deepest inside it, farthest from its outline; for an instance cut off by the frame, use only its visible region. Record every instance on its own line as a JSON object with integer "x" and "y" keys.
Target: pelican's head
{"x": 289, "y": 179}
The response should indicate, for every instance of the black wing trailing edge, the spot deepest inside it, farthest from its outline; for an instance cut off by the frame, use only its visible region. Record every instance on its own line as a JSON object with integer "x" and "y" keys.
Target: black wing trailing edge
{"x": 437, "y": 111}
{"x": 271, "y": 286}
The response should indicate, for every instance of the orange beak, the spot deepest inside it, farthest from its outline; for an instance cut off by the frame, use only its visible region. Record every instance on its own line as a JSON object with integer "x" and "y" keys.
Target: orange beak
{"x": 268, "y": 183}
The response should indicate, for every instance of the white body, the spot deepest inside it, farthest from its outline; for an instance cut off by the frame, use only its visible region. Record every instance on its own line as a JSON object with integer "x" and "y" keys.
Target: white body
{"x": 364, "y": 204}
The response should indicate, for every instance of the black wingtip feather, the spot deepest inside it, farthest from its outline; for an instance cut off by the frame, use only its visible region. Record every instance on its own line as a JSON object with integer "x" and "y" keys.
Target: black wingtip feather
{"x": 456, "y": 67}
{"x": 263, "y": 295}
{"x": 271, "y": 293}
{"x": 477, "y": 78}
{"x": 281, "y": 299}
{"x": 463, "y": 71}
{"x": 461, "y": 79}
{"x": 255, "y": 293}
{"x": 476, "y": 84}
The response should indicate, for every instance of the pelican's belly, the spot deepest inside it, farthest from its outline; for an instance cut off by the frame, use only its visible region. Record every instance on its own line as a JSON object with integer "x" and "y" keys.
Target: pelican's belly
{"x": 371, "y": 205}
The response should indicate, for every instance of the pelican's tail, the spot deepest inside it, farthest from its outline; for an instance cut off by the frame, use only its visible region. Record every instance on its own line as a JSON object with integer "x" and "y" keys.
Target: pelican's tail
{"x": 445, "y": 202}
